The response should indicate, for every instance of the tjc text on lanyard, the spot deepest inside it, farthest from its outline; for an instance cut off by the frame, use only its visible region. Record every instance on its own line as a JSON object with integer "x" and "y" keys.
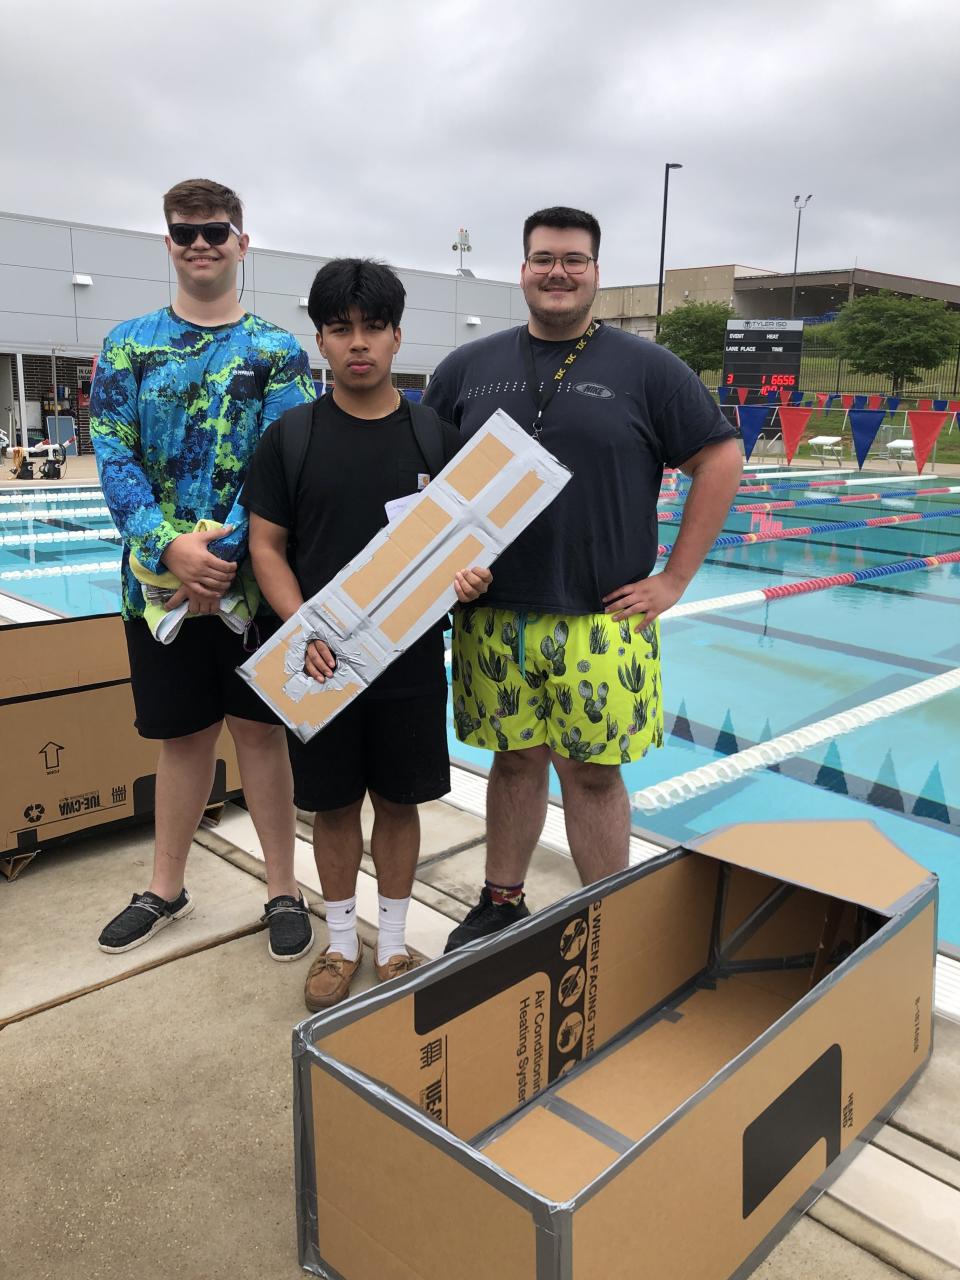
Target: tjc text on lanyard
{"x": 543, "y": 396}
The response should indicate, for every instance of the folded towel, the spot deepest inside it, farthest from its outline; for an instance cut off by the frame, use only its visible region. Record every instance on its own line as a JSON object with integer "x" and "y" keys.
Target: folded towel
{"x": 237, "y": 607}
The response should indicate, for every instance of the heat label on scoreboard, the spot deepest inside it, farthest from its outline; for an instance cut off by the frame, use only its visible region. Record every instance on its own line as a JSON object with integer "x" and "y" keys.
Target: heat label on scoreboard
{"x": 764, "y": 357}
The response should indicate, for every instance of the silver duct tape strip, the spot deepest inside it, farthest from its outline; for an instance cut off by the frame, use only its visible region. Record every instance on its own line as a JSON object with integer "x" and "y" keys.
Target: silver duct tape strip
{"x": 589, "y": 1124}
{"x": 320, "y": 1267}
{"x": 555, "y": 1247}
{"x": 755, "y": 921}
{"x": 398, "y": 1109}
{"x": 668, "y": 1011}
{"x": 304, "y": 1160}
{"x": 879, "y": 939}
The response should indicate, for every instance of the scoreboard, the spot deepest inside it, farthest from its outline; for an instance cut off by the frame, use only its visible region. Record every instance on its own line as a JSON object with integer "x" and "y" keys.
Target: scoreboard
{"x": 764, "y": 357}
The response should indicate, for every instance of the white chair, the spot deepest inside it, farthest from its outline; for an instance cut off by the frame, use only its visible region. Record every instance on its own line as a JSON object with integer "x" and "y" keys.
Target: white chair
{"x": 900, "y": 451}
{"x": 826, "y": 448}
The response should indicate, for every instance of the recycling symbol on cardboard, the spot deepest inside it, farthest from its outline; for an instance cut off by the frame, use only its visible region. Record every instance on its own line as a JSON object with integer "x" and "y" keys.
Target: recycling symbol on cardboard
{"x": 34, "y": 812}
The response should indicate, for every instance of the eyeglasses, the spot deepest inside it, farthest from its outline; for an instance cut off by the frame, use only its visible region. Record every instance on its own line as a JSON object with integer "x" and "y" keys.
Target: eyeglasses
{"x": 574, "y": 264}
{"x": 215, "y": 233}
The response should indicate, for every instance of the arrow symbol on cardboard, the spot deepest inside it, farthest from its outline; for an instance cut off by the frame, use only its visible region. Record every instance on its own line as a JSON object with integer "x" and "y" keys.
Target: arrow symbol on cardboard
{"x": 51, "y": 755}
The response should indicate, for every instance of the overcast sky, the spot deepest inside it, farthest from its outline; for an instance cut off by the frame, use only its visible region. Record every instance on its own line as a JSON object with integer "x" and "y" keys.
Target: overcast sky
{"x": 381, "y": 127}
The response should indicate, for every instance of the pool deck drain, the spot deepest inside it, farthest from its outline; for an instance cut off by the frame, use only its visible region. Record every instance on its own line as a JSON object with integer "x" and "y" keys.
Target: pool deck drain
{"x": 146, "y": 1107}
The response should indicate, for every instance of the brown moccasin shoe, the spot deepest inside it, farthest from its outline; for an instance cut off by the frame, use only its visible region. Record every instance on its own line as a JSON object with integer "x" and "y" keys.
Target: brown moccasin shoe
{"x": 395, "y": 966}
{"x": 328, "y": 981}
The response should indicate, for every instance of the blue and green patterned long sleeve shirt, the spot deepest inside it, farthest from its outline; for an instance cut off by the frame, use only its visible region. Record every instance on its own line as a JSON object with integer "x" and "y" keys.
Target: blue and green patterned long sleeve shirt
{"x": 176, "y": 412}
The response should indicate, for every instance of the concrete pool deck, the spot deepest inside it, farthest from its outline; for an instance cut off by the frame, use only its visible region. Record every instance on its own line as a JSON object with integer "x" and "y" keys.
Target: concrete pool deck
{"x": 146, "y": 1101}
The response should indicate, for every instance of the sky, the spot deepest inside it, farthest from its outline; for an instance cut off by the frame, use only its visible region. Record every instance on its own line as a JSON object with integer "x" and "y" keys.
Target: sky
{"x": 380, "y": 128}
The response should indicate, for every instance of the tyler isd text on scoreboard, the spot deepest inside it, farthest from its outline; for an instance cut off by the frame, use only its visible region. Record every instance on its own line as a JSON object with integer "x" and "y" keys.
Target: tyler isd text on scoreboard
{"x": 763, "y": 356}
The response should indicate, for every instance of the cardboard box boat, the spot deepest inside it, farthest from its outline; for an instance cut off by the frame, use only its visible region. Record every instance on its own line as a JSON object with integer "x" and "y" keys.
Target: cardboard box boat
{"x": 72, "y": 759}
{"x": 649, "y": 1079}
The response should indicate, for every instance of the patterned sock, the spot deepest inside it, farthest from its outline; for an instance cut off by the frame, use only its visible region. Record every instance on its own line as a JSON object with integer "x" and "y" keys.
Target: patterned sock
{"x": 502, "y": 895}
{"x": 342, "y": 926}
{"x": 391, "y": 940}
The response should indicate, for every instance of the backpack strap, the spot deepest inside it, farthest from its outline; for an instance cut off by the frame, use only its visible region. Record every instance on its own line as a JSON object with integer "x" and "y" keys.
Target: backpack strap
{"x": 296, "y": 441}
{"x": 429, "y": 436}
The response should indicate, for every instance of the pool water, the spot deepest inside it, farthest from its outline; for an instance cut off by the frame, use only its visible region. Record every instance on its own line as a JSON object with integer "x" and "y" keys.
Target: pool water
{"x": 731, "y": 678}
{"x": 737, "y": 677}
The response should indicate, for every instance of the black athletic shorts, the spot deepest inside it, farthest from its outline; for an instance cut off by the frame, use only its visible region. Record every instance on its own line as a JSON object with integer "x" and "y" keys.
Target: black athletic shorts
{"x": 396, "y": 747}
{"x": 192, "y": 683}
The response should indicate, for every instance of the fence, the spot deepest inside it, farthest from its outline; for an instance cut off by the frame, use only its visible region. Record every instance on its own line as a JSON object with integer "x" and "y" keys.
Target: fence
{"x": 821, "y": 370}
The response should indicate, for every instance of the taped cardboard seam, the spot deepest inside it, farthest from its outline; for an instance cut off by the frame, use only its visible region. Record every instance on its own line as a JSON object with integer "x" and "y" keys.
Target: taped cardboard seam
{"x": 757, "y": 918}
{"x": 773, "y": 964}
{"x": 825, "y": 1181}
{"x": 908, "y": 899}
{"x": 304, "y": 1159}
{"x": 548, "y": 1255}
{"x": 555, "y": 1245}
{"x": 719, "y": 908}
{"x": 317, "y": 1266}
{"x": 806, "y": 1002}
{"x": 318, "y": 1026}
{"x": 60, "y": 693}
{"x": 666, "y": 1010}
{"x": 391, "y": 1104}
{"x": 589, "y": 1124}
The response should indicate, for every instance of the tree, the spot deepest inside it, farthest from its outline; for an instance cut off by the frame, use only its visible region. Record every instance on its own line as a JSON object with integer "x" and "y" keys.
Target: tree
{"x": 884, "y": 333}
{"x": 696, "y": 332}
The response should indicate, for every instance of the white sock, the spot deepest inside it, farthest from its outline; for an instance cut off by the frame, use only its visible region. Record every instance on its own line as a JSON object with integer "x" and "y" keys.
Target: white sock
{"x": 342, "y": 926}
{"x": 391, "y": 940}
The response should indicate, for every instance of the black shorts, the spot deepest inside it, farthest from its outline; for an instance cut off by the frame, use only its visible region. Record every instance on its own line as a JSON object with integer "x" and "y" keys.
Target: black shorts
{"x": 192, "y": 683}
{"x": 396, "y": 747}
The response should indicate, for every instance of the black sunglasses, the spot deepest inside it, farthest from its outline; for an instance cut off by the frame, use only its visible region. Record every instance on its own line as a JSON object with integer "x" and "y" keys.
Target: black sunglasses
{"x": 215, "y": 233}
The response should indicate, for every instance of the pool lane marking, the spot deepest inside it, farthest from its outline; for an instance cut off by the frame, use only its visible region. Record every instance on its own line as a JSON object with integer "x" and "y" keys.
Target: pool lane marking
{"x": 58, "y": 570}
{"x": 68, "y": 536}
{"x": 19, "y": 497}
{"x": 7, "y": 516}
{"x": 836, "y": 526}
{"x": 685, "y": 786}
{"x": 737, "y": 599}
{"x": 786, "y": 504}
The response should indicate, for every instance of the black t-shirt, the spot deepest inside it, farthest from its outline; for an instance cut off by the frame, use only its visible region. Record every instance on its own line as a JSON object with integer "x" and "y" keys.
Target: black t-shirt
{"x": 353, "y": 466}
{"x": 625, "y": 409}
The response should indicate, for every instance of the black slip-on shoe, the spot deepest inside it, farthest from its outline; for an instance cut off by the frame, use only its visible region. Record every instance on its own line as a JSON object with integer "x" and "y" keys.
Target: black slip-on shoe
{"x": 289, "y": 926}
{"x": 146, "y": 915}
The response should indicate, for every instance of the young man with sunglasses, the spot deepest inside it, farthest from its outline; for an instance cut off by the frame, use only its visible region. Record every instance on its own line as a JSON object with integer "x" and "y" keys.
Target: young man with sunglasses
{"x": 318, "y": 490}
{"x": 179, "y": 403}
{"x": 560, "y": 665}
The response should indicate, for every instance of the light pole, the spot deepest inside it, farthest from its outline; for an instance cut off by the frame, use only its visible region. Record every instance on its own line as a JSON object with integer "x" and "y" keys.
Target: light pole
{"x": 663, "y": 239}
{"x": 799, "y": 206}
{"x": 462, "y": 243}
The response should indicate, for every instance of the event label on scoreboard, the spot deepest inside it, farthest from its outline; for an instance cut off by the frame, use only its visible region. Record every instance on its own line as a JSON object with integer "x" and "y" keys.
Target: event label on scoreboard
{"x": 763, "y": 356}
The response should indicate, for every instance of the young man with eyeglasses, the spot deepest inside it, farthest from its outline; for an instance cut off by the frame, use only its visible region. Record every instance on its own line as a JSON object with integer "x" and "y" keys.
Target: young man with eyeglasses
{"x": 321, "y": 486}
{"x": 560, "y": 665}
{"x": 180, "y": 400}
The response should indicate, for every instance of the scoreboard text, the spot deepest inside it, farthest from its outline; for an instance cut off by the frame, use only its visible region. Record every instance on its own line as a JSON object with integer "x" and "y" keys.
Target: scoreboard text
{"x": 763, "y": 356}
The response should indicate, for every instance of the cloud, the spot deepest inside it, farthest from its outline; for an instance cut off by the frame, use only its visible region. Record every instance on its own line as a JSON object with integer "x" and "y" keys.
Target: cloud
{"x": 383, "y": 128}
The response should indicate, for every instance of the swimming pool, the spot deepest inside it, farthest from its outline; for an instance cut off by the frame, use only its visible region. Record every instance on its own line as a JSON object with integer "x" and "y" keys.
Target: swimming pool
{"x": 732, "y": 677}
{"x": 736, "y": 677}
{"x": 59, "y": 551}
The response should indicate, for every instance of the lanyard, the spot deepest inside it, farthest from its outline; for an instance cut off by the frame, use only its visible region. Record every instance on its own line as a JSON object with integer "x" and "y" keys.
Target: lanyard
{"x": 543, "y": 396}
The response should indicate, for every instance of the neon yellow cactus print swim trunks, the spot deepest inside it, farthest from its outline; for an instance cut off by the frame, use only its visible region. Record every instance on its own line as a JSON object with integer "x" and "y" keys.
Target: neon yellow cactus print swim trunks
{"x": 587, "y": 686}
